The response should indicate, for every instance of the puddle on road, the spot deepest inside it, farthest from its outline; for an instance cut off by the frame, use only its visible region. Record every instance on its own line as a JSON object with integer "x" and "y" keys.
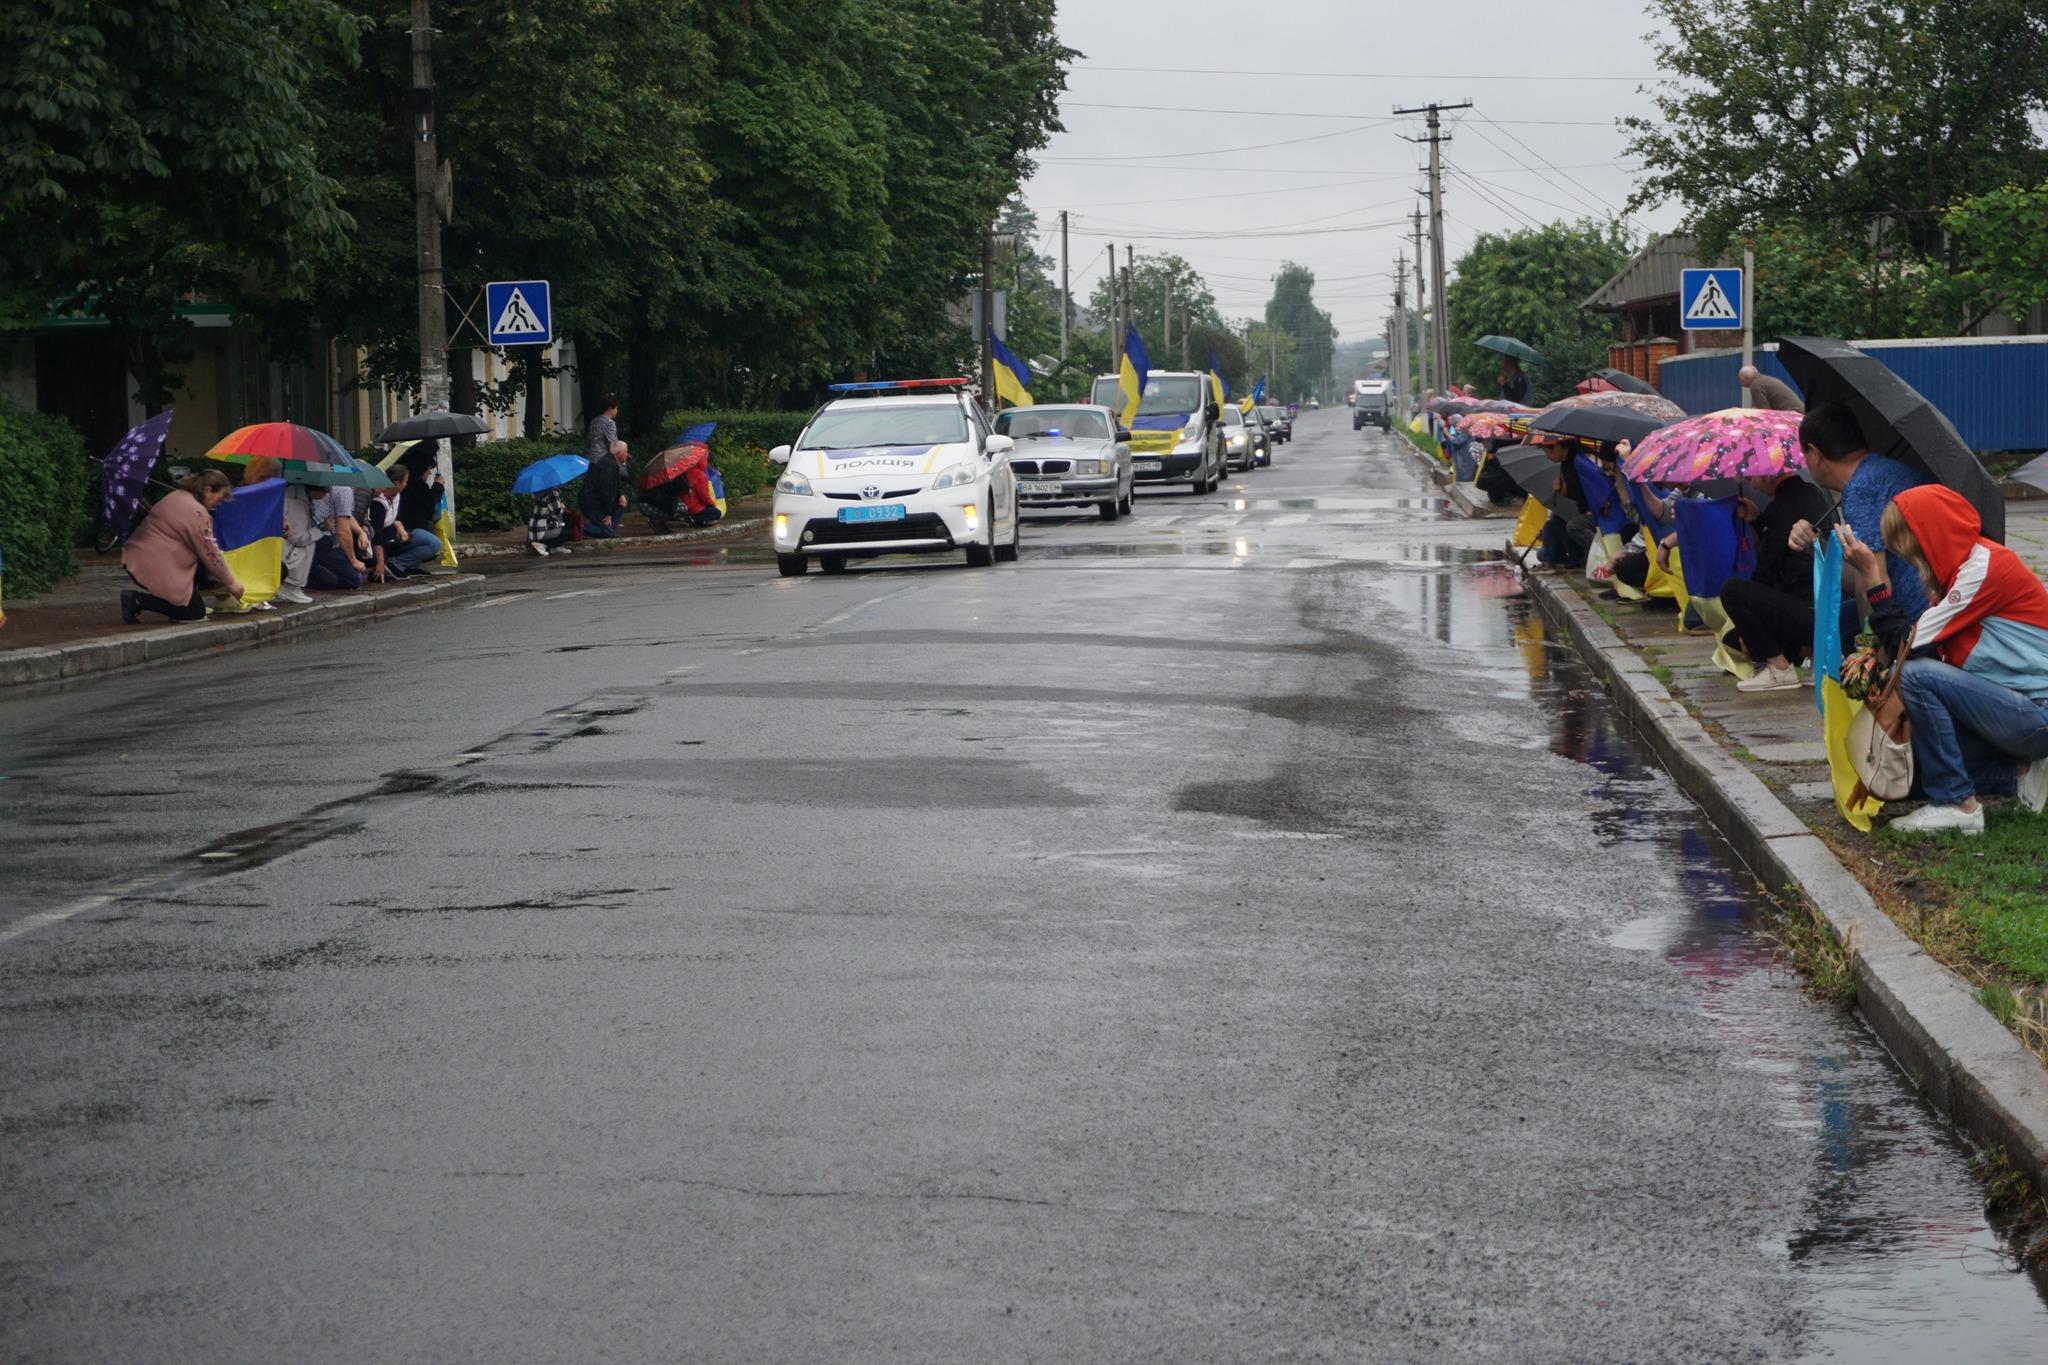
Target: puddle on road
{"x": 1902, "y": 1263}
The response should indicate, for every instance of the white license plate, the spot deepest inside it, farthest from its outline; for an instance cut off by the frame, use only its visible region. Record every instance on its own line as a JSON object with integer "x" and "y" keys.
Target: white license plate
{"x": 1041, "y": 488}
{"x": 1147, "y": 466}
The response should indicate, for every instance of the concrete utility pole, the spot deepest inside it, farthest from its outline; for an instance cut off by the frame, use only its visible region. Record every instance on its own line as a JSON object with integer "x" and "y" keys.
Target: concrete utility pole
{"x": 1187, "y": 337}
{"x": 1748, "y": 316}
{"x": 1066, "y": 287}
{"x": 1397, "y": 344}
{"x": 988, "y": 319}
{"x": 1116, "y": 333}
{"x": 426, "y": 182}
{"x": 1422, "y": 354}
{"x": 1166, "y": 318}
{"x": 1442, "y": 351}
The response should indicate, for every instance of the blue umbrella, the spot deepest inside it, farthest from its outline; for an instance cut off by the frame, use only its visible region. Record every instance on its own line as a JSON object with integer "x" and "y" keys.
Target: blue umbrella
{"x": 701, "y": 432}
{"x": 124, "y": 473}
{"x": 552, "y": 472}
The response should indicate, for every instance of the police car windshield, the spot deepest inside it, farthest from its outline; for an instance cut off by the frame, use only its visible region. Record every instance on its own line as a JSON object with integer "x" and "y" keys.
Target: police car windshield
{"x": 1177, "y": 395}
{"x": 1045, "y": 423}
{"x": 879, "y": 424}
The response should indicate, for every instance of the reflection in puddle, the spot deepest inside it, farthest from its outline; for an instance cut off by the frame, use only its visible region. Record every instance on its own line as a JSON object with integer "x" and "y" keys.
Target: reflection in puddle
{"x": 1901, "y": 1262}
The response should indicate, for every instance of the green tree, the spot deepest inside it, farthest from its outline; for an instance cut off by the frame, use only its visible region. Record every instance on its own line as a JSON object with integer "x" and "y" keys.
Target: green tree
{"x": 1839, "y": 112}
{"x": 1149, "y": 276}
{"x": 157, "y": 150}
{"x": 1528, "y": 284}
{"x": 1307, "y": 330}
{"x": 2005, "y": 232}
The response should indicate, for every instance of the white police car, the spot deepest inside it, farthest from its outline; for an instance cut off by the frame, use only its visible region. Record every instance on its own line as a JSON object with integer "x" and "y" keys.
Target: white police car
{"x": 895, "y": 467}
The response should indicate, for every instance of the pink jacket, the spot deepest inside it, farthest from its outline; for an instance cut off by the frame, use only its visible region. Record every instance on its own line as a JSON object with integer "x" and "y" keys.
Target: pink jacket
{"x": 165, "y": 552}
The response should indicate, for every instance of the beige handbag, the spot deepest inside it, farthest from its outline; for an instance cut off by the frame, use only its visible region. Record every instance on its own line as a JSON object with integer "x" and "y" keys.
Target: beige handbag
{"x": 1880, "y": 744}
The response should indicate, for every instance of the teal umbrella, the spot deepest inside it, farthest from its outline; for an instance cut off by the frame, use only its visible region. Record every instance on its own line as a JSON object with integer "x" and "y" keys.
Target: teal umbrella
{"x": 1520, "y": 350}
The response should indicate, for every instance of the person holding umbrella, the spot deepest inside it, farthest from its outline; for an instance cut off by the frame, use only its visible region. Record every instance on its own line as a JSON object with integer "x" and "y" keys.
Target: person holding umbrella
{"x": 1514, "y": 384}
{"x": 1832, "y": 441}
{"x": 547, "y": 526}
{"x": 1974, "y": 667}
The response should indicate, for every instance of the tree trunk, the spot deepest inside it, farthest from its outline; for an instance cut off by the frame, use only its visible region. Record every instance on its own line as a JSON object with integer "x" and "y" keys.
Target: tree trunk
{"x": 643, "y": 378}
{"x": 462, "y": 389}
{"x": 536, "y": 396}
{"x": 590, "y": 381}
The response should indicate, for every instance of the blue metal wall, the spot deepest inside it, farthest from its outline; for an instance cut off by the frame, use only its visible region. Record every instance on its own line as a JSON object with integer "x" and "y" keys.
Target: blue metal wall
{"x": 1996, "y": 392}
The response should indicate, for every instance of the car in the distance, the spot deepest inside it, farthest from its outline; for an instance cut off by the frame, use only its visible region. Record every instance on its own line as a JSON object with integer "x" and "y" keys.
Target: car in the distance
{"x": 1237, "y": 439}
{"x": 1279, "y": 419}
{"x": 1069, "y": 455}
{"x": 1261, "y": 436}
{"x": 1372, "y": 404}
{"x": 890, "y": 467}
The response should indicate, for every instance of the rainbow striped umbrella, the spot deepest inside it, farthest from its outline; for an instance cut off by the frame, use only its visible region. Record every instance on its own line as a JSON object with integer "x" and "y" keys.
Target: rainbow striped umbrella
{"x": 1734, "y": 443}
{"x": 287, "y": 442}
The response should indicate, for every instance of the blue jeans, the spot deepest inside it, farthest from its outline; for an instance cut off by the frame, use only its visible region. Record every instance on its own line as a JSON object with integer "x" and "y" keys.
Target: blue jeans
{"x": 1967, "y": 732}
{"x": 603, "y": 528}
{"x": 423, "y": 546}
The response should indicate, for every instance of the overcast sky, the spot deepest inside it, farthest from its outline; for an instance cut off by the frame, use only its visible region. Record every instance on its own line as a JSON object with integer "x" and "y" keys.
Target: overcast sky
{"x": 1546, "y": 81}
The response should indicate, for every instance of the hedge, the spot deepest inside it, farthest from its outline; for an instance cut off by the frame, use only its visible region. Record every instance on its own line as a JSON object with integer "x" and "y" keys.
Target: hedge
{"x": 42, "y": 488}
{"x": 484, "y": 500}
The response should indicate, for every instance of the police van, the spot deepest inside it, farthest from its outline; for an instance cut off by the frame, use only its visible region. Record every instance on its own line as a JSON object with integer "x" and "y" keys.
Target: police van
{"x": 895, "y": 467}
{"x": 1177, "y": 434}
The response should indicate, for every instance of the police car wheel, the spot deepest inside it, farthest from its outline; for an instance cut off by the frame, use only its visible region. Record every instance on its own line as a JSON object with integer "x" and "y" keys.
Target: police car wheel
{"x": 980, "y": 556}
{"x": 1008, "y": 553}
{"x": 791, "y": 566}
{"x": 832, "y": 563}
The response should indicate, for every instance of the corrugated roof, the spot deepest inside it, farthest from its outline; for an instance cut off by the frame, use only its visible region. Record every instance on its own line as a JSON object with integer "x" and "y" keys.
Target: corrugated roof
{"x": 1651, "y": 273}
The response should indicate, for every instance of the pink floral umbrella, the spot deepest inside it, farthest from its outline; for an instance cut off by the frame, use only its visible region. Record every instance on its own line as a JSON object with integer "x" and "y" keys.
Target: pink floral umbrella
{"x": 1486, "y": 426}
{"x": 1734, "y": 443}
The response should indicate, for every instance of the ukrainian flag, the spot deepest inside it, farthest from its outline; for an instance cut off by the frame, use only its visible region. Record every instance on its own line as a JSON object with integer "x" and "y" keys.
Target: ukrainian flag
{"x": 1131, "y": 378}
{"x": 249, "y": 528}
{"x": 1259, "y": 390}
{"x": 1219, "y": 387}
{"x": 1013, "y": 381}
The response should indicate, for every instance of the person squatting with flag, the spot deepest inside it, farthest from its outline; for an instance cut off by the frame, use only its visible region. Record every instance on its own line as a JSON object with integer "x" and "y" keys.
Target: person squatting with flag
{"x": 172, "y": 556}
{"x": 1975, "y": 679}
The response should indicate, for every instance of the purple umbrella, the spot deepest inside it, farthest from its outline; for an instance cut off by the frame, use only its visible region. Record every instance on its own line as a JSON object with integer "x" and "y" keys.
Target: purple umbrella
{"x": 124, "y": 473}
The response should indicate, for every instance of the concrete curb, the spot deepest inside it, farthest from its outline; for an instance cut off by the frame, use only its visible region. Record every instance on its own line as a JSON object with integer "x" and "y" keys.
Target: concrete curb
{"x": 487, "y": 551}
{"x": 1964, "y": 1061}
{"x": 114, "y": 653}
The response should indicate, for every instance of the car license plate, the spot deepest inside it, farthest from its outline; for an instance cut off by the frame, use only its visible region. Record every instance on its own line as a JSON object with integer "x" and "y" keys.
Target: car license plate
{"x": 1040, "y": 488}
{"x": 891, "y": 511}
{"x": 1147, "y": 466}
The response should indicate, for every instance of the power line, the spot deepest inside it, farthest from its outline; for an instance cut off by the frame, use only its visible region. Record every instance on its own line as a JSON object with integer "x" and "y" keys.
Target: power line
{"x": 1292, "y": 113}
{"x": 1248, "y": 147}
{"x": 1178, "y": 71}
{"x": 1539, "y": 157}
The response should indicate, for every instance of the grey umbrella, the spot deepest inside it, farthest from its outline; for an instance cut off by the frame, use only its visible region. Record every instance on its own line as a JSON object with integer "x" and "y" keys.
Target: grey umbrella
{"x": 1537, "y": 475}
{"x": 2034, "y": 473}
{"x": 1625, "y": 381}
{"x": 1896, "y": 418}
{"x": 429, "y": 426}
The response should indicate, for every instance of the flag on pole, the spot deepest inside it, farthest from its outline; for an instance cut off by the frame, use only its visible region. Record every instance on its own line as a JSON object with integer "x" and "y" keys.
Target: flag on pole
{"x": 1131, "y": 378}
{"x": 1013, "y": 380}
{"x": 1827, "y": 621}
{"x": 249, "y": 528}
{"x": 1222, "y": 384}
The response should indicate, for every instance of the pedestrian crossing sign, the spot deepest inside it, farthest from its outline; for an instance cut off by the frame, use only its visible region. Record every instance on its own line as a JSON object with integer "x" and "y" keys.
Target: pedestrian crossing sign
{"x": 1710, "y": 300}
{"x": 520, "y": 313}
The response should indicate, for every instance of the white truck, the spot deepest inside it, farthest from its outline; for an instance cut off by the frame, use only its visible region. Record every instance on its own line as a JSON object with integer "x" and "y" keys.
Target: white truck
{"x": 1372, "y": 400}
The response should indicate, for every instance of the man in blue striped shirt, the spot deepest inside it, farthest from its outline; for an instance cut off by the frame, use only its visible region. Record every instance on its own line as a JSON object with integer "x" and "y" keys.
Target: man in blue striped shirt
{"x": 1841, "y": 460}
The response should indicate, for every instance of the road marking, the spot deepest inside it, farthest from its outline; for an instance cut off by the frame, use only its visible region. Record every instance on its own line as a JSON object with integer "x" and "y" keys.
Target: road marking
{"x": 499, "y": 601}
{"x": 579, "y": 592}
{"x": 31, "y": 923}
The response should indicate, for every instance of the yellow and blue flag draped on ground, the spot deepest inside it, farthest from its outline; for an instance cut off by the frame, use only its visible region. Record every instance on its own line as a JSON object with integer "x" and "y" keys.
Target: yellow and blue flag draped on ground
{"x": 1131, "y": 376}
{"x": 1013, "y": 380}
{"x": 249, "y": 528}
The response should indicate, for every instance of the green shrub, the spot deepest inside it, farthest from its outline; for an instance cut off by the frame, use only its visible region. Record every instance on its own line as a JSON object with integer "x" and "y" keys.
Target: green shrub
{"x": 484, "y": 500}
{"x": 42, "y": 497}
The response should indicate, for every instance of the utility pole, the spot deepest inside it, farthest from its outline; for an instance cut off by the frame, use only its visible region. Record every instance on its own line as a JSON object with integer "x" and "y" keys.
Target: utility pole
{"x": 1748, "y": 315}
{"x": 1426, "y": 377}
{"x": 988, "y": 319}
{"x": 426, "y": 183}
{"x": 1066, "y": 287}
{"x": 1166, "y": 320}
{"x": 1187, "y": 336}
{"x": 1442, "y": 336}
{"x": 1116, "y": 335}
{"x": 1397, "y": 345}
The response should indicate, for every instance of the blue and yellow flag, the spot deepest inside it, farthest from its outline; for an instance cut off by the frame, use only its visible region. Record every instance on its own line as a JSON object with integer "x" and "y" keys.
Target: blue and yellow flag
{"x": 1827, "y": 619}
{"x": 1222, "y": 384}
{"x": 1013, "y": 381}
{"x": 1259, "y": 390}
{"x": 249, "y": 528}
{"x": 1131, "y": 377}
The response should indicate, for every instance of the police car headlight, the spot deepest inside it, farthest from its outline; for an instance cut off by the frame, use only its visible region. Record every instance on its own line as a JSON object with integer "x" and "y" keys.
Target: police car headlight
{"x": 962, "y": 475}
{"x": 793, "y": 482}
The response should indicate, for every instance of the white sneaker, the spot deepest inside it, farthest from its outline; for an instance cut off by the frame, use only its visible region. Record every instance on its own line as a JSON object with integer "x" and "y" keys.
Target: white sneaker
{"x": 1771, "y": 680}
{"x": 1932, "y": 819}
{"x": 291, "y": 593}
{"x": 2034, "y": 786}
{"x": 537, "y": 548}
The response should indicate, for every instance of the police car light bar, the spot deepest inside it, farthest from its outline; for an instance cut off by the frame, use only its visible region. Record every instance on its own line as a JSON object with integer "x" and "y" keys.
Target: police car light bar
{"x": 897, "y": 385}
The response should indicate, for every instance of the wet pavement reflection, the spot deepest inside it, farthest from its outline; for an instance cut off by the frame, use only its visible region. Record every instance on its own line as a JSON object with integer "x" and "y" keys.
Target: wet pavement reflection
{"x": 1902, "y": 1262}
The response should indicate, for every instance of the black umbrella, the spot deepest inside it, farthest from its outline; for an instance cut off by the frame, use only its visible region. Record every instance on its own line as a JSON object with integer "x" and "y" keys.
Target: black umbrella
{"x": 1600, "y": 424}
{"x": 1624, "y": 381}
{"x": 1536, "y": 473}
{"x": 2033, "y": 473}
{"x": 430, "y": 426}
{"x": 1896, "y": 419}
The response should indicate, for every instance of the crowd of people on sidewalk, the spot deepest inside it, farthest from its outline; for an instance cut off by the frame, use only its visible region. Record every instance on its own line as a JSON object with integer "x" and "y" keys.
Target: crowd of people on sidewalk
{"x": 1956, "y": 622}
{"x": 604, "y": 494}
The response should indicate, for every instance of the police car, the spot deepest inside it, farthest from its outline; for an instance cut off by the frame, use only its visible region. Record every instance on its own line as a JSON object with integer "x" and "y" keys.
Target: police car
{"x": 895, "y": 467}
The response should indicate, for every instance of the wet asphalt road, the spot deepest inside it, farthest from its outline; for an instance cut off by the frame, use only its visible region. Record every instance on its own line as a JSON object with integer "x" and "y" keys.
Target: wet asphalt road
{"x": 1233, "y": 932}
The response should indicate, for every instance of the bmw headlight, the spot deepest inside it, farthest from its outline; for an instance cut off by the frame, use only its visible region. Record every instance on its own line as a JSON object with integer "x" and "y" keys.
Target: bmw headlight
{"x": 793, "y": 482}
{"x": 962, "y": 475}
{"x": 1087, "y": 466}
